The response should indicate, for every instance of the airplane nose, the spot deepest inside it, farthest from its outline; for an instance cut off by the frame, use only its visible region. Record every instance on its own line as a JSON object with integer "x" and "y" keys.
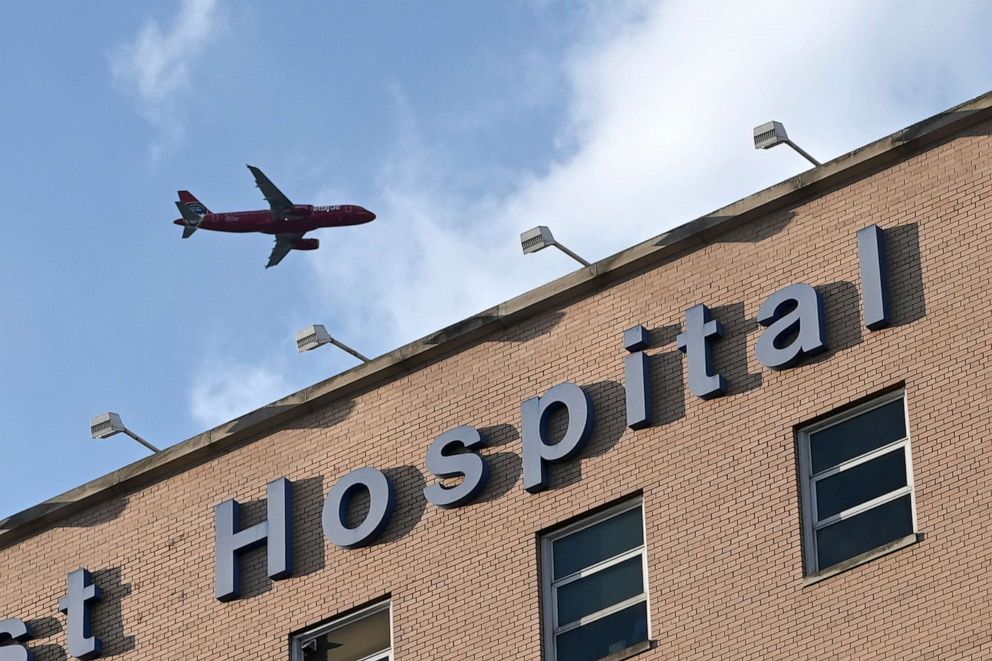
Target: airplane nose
{"x": 368, "y": 215}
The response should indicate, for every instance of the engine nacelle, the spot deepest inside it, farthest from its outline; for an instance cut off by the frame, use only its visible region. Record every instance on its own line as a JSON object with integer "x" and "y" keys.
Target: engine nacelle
{"x": 306, "y": 244}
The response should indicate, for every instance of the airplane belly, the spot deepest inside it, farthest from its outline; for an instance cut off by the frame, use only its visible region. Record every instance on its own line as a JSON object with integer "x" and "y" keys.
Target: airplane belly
{"x": 288, "y": 227}
{"x": 334, "y": 219}
{"x": 247, "y": 222}
{"x": 233, "y": 226}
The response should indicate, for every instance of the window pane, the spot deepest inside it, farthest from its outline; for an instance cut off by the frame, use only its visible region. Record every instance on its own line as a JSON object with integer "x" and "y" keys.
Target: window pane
{"x": 604, "y": 636}
{"x": 356, "y": 640}
{"x": 599, "y": 542}
{"x": 860, "y": 484}
{"x": 600, "y": 590}
{"x": 864, "y": 532}
{"x": 858, "y": 435}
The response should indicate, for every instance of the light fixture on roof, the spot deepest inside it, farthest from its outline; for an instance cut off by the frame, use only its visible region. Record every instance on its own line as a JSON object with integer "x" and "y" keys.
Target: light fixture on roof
{"x": 107, "y": 424}
{"x": 771, "y": 134}
{"x": 315, "y": 335}
{"x": 539, "y": 238}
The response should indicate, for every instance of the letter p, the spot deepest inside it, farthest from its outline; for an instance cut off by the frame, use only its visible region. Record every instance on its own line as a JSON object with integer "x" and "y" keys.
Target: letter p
{"x": 537, "y": 452}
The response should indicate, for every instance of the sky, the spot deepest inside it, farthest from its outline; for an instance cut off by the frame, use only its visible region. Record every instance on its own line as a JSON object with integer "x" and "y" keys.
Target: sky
{"x": 460, "y": 124}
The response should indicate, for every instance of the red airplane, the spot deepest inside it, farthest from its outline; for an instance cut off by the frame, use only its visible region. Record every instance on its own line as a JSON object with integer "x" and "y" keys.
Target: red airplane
{"x": 287, "y": 221}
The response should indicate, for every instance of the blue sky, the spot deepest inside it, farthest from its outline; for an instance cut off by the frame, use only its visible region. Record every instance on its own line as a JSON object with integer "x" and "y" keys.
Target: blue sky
{"x": 459, "y": 123}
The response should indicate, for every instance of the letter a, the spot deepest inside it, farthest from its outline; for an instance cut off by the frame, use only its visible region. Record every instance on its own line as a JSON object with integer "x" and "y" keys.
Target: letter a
{"x": 803, "y": 324}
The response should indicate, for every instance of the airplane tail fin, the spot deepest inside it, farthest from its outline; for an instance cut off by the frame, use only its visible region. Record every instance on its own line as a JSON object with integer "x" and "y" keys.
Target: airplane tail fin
{"x": 192, "y": 211}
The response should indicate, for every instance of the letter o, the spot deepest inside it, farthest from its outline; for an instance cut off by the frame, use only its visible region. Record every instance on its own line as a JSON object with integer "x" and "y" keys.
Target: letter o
{"x": 382, "y": 501}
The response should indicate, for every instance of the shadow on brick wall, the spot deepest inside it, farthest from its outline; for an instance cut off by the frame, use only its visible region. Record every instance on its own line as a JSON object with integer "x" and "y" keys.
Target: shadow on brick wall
{"x": 408, "y": 487}
{"x": 308, "y": 536}
{"x": 505, "y": 468}
{"x": 749, "y": 232}
{"x": 905, "y": 267}
{"x": 842, "y": 306}
{"x": 609, "y": 424}
{"x": 91, "y": 517}
{"x": 254, "y": 562}
{"x": 759, "y": 230}
{"x": 730, "y": 352}
{"x": 42, "y": 628}
{"x": 328, "y": 416}
{"x": 408, "y": 483}
{"x": 667, "y": 381}
{"x": 108, "y": 619}
{"x": 532, "y": 328}
{"x": 536, "y": 326}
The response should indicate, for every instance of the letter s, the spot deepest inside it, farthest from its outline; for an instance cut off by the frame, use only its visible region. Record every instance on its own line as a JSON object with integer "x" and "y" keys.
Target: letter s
{"x": 445, "y": 459}
{"x": 17, "y": 631}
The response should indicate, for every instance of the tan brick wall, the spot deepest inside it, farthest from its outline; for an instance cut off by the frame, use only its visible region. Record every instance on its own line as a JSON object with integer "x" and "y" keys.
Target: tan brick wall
{"x": 718, "y": 477}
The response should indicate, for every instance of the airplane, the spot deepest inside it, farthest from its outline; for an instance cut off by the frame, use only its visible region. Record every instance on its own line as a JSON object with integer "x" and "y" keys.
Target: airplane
{"x": 287, "y": 221}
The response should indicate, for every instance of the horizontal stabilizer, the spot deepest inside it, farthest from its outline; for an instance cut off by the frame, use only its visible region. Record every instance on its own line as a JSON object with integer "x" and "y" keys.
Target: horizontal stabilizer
{"x": 188, "y": 231}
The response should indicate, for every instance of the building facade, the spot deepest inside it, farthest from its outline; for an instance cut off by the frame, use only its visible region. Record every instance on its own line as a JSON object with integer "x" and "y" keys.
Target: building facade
{"x": 762, "y": 435}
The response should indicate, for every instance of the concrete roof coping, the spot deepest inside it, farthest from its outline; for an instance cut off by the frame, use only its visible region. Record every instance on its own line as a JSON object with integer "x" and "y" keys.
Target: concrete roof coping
{"x": 652, "y": 252}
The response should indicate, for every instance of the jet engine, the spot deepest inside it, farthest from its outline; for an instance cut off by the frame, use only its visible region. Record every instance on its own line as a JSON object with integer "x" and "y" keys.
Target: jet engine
{"x": 306, "y": 244}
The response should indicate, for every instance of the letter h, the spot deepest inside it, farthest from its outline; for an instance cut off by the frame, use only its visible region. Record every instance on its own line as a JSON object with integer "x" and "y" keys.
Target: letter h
{"x": 276, "y": 533}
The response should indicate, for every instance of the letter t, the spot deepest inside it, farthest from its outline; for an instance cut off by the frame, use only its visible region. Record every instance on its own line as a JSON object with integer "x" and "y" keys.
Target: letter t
{"x": 76, "y": 605}
{"x": 694, "y": 343}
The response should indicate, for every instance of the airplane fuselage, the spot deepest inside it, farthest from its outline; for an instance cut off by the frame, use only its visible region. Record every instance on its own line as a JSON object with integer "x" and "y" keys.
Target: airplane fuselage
{"x": 286, "y": 221}
{"x": 303, "y": 218}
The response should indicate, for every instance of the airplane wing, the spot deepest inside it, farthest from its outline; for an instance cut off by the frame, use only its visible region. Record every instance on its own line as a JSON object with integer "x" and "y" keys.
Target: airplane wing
{"x": 284, "y": 243}
{"x": 280, "y": 203}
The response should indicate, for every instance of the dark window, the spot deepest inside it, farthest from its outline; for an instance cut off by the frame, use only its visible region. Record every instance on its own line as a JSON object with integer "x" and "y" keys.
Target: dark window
{"x": 595, "y": 586}
{"x": 857, "y": 482}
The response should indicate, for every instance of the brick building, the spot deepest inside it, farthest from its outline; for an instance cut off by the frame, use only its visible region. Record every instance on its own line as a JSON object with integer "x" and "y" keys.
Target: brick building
{"x": 785, "y": 456}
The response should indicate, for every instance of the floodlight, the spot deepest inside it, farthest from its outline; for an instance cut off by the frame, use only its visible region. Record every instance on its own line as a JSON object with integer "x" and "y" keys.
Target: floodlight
{"x": 536, "y": 239}
{"x": 315, "y": 335}
{"x": 539, "y": 238}
{"x": 311, "y": 337}
{"x": 771, "y": 134}
{"x": 107, "y": 424}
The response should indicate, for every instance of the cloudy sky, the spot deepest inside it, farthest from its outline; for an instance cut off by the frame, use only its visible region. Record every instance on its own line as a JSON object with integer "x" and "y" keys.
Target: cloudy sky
{"x": 459, "y": 123}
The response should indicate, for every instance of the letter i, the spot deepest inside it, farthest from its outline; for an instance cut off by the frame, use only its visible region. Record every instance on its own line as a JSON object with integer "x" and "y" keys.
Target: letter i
{"x": 638, "y": 381}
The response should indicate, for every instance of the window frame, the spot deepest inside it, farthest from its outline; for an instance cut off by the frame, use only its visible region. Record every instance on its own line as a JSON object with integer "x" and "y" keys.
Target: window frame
{"x": 550, "y": 586}
{"x": 808, "y": 480}
{"x": 298, "y": 640}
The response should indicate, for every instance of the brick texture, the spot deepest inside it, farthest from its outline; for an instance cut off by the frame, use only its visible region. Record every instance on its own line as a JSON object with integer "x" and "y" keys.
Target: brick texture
{"x": 718, "y": 477}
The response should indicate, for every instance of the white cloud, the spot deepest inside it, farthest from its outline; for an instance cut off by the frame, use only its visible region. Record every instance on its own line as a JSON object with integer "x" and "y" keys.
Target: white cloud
{"x": 157, "y": 65}
{"x": 663, "y": 97}
{"x": 224, "y": 390}
{"x": 662, "y": 103}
